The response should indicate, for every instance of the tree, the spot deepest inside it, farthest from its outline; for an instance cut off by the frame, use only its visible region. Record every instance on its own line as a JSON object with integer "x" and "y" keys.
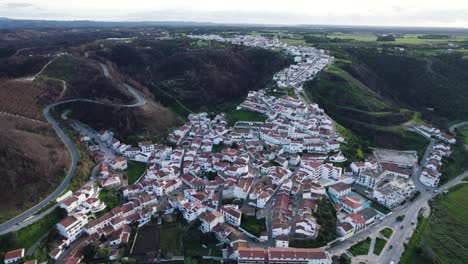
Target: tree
{"x": 89, "y": 251}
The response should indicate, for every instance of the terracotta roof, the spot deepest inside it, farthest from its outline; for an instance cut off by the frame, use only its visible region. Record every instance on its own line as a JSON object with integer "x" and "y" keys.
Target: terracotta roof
{"x": 17, "y": 253}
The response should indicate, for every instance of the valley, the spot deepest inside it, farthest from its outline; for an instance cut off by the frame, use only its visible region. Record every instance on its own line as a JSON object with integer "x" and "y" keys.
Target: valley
{"x": 234, "y": 140}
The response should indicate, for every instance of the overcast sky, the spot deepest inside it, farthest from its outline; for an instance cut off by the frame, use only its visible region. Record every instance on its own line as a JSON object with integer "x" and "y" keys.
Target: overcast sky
{"x": 427, "y": 13}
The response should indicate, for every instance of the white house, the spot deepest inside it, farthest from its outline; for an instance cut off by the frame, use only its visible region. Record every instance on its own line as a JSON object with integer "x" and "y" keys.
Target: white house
{"x": 118, "y": 163}
{"x": 232, "y": 215}
{"x": 339, "y": 190}
{"x": 210, "y": 220}
{"x": 14, "y": 256}
{"x": 72, "y": 226}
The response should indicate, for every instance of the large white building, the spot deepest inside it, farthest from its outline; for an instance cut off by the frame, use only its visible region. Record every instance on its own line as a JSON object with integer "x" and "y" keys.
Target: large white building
{"x": 72, "y": 226}
{"x": 284, "y": 255}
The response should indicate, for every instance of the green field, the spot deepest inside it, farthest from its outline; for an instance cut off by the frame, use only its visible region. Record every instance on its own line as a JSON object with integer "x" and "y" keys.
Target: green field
{"x": 379, "y": 245}
{"x": 27, "y": 236}
{"x": 245, "y": 115}
{"x": 405, "y": 39}
{"x": 386, "y": 232}
{"x": 442, "y": 238}
{"x": 360, "y": 248}
{"x": 134, "y": 171}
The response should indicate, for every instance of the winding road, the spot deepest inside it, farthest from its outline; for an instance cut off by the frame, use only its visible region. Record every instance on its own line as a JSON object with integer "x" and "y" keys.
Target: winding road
{"x": 75, "y": 156}
{"x": 457, "y": 125}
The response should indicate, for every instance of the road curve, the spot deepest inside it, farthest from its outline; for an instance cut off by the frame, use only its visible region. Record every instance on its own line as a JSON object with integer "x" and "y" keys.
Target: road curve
{"x": 457, "y": 125}
{"x": 71, "y": 148}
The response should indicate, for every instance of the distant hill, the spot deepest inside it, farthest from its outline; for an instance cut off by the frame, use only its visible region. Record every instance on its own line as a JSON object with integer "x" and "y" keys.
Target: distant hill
{"x": 199, "y": 77}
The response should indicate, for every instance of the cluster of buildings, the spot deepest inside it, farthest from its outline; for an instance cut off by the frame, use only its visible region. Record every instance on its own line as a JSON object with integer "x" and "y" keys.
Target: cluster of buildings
{"x": 353, "y": 210}
{"x": 387, "y": 183}
{"x": 430, "y": 175}
{"x": 84, "y": 201}
{"x": 291, "y": 125}
{"x": 430, "y": 131}
{"x": 308, "y": 60}
{"x": 282, "y": 165}
{"x": 109, "y": 230}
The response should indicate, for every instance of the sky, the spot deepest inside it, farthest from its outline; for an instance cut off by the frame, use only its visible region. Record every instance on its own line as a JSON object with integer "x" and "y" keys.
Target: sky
{"x": 425, "y": 13}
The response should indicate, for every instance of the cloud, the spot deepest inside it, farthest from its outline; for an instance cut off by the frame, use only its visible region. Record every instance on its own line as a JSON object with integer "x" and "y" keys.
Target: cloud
{"x": 17, "y": 5}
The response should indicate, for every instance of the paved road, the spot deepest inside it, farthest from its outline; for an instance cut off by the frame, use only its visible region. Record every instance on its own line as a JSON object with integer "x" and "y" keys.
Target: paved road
{"x": 410, "y": 211}
{"x": 457, "y": 125}
{"x": 74, "y": 154}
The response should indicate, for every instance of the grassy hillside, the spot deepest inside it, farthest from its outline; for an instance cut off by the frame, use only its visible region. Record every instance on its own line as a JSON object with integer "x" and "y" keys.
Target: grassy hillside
{"x": 356, "y": 107}
{"x": 434, "y": 85}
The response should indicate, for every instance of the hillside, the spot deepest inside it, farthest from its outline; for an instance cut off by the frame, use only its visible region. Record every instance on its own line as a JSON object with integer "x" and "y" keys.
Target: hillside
{"x": 434, "y": 85}
{"x": 199, "y": 77}
{"x": 32, "y": 159}
{"x": 85, "y": 80}
{"x": 358, "y": 108}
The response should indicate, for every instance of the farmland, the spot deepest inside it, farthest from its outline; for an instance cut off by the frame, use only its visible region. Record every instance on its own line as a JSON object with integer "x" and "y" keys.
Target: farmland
{"x": 442, "y": 237}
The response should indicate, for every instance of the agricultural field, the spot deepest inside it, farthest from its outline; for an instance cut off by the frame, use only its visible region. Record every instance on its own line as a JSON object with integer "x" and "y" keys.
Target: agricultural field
{"x": 441, "y": 238}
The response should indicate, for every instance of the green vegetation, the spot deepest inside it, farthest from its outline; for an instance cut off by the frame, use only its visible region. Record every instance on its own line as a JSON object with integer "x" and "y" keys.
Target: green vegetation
{"x": 245, "y": 115}
{"x": 415, "y": 196}
{"x": 85, "y": 164}
{"x": 194, "y": 241}
{"x": 218, "y": 148}
{"x": 27, "y": 236}
{"x": 111, "y": 198}
{"x": 455, "y": 164}
{"x": 386, "y": 232}
{"x": 356, "y": 107}
{"x": 170, "y": 236}
{"x": 361, "y": 248}
{"x": 253, "y": 225}
{"x": 281, "y": 91}
{"x": 355, "y": 148}
{"x": 344, "y": 259}
{"x": 463, "y": 130}
{"x": 379, "y": 245}
{"x": 326, "y": 218}
{"x": 442, "y": 236}
{"x": 179, "y": 239}
{"x": 377, "y": 206}
{"x": 400, "y": 218}
{"x": 414, "y": 141}
{"x": 134, "y": 171}
{"x": 417, "y": 81}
